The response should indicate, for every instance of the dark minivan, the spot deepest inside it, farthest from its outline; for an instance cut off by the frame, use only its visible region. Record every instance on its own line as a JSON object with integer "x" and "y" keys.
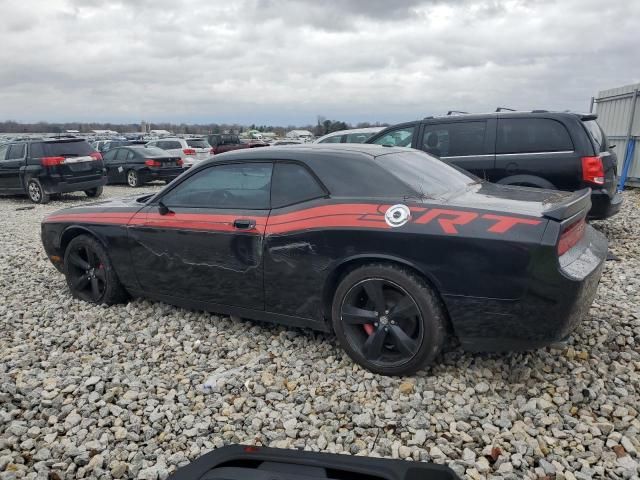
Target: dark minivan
{"x": 138, "y": 164}
{"x": 44, "y": 167}
{"x": 553, "y": 150}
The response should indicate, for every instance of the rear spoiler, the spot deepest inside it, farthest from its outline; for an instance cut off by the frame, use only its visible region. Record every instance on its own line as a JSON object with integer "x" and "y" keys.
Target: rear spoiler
{"x": 578, "y": 202}
{"x": 587, "y": 116}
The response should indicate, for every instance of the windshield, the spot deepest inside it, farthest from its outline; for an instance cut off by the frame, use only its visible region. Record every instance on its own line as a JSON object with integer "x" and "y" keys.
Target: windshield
{"x": 425, "y": 174}
{"x": 198, "y": 143}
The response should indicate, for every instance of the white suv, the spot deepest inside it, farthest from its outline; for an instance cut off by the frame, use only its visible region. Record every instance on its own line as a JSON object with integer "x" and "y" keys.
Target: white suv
{"x": 191, "y": 150}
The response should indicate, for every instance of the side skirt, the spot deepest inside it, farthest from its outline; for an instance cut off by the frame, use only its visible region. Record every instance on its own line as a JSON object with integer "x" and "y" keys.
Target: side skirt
{"x": 241, "y": 312}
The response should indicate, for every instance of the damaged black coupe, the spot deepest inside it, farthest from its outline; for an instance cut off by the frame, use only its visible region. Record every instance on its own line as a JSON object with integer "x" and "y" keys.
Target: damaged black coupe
{"x": 389, "y": 248}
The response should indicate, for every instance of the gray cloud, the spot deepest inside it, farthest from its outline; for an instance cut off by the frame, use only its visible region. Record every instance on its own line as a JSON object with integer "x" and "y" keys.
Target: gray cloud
{"x": 285, "y": 61}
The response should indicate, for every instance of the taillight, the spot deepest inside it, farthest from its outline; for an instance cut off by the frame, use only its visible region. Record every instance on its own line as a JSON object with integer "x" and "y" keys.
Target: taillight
{"x": 152, "y": 163}
{"x": 212, "y": 151}
{"x": 593, "y": 170}
{"x": 96, "y": 155}
{"x": 189, "y": 151}
{"x": 571, "y": 235}
{"x": 51, "y": 161}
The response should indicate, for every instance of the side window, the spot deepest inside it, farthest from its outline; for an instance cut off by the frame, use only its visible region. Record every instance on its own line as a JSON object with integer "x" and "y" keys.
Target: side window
{"x": 238, "y": 186}
{"x": 527, "y": 135}
{"x": 457, "y": 139}
{"x": 16, "y": 151}
{"x": 358, "y": 137}
{"x": 293, "y": 183}
{"x": 400, "y": 137}
{"x": 173, "y": 146}
{"x": 109, "y": 156}
{"x": 36, "y": 150}
{"x": 153, "y": 144}
{"x": 3, "y": 151}
{"x": 334, "y": 139}
{"x": 121, "y": 154}
{"x": 130, "y": 156}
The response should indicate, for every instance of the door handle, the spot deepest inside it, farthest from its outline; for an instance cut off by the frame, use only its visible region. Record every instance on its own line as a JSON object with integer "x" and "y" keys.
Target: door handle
{"x": 244, "y": 224}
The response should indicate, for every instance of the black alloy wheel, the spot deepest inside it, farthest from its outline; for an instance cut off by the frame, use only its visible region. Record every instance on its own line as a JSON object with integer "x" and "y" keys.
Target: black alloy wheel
{"x": 87, "y": 275}
{"x": 382, "y": 321}
{"x": 90, "y": 275}
{"x": 388, "y": 319}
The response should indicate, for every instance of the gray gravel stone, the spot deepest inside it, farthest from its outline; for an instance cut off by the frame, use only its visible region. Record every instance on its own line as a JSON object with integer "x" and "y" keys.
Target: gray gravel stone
{"x": 119, "y": 392}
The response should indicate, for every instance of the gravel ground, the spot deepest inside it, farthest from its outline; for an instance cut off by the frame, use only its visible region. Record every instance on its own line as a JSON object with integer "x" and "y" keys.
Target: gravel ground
{"x": 135, "y": 391}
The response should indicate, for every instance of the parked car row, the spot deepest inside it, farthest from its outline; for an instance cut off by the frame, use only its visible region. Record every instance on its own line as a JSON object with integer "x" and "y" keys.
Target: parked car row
{"x": 551, "y": 150}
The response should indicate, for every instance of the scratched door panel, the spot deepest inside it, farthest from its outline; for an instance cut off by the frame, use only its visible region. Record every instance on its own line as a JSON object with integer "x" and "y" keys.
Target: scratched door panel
{"x": 199, "y": 254}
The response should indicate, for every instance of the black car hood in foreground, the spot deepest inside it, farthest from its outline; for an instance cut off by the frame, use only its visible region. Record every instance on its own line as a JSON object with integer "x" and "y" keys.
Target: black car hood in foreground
{"x": 239, "y": 462}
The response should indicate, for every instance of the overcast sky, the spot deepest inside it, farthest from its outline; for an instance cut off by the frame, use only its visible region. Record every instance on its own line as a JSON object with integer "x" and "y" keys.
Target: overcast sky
{"x": 285, "y": 61}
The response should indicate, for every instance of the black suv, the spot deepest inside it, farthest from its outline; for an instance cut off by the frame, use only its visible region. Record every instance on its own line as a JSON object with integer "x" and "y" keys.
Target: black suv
{"x": 554, "y": 150}
{"x": 44, "y": 167}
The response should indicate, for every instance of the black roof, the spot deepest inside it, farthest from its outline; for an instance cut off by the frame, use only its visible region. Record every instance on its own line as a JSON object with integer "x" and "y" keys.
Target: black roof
{"x": 347, "y": 170}
{"x": 302, "y": 151}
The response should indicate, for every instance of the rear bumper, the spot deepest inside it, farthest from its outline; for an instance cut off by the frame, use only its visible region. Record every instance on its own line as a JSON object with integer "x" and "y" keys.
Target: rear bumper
{"x": 555, "y": 303}
{"x": 160, "y": 174}
{"x": 65, "y": 187}
{"x": 604, "y": 206}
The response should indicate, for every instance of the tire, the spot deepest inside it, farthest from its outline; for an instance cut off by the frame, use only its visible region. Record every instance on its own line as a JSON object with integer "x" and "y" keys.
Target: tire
{"x": 90, "y": 274}
{"x": 94, "y": 192}
{"x": 133, "y": 179}
{"x": 384, "y": 342}
{"x": 35, "y": 191}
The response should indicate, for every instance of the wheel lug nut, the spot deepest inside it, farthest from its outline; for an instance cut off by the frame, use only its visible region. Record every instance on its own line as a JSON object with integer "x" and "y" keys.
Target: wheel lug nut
{"x": 375, "y": 324}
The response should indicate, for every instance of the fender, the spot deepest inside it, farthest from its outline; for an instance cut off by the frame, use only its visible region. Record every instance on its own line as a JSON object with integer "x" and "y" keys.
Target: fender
{"x": 527, "y": 180}
{"x": 67, "y": 232}
{"x": 338, "y": 266}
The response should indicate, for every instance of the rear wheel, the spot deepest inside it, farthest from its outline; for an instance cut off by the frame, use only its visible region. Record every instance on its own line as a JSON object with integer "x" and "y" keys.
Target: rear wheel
{"x": 35, "y": 191}
{"x": 93, "y": 192}
{"x": 89, "y": 272}
{"x": 388, "y": 319}
{"x": 133, "y": 179}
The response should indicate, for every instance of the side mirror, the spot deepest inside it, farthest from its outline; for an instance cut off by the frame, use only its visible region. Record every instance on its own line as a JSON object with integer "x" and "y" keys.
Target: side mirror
{"x": 163, "y": 209}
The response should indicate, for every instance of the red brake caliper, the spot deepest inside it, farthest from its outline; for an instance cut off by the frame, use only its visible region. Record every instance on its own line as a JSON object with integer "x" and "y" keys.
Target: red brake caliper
{"x": 368, "y": 327}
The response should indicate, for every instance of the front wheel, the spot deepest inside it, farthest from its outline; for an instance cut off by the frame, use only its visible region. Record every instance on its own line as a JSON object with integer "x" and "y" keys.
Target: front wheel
{"x": 93, "y": 192}
{"x": 36, "y": 193}
{"x": 133, "y": 179}
{"x": 89, "y": 272}
{"x": 388, "y": 319}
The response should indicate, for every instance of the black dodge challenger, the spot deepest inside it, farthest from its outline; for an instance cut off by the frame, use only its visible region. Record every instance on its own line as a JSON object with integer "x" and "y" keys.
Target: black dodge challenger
{"x": 389, "y": 248}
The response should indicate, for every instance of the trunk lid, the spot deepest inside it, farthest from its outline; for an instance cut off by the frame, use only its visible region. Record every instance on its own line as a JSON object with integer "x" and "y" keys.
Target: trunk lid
{"x": 536, "y": 202}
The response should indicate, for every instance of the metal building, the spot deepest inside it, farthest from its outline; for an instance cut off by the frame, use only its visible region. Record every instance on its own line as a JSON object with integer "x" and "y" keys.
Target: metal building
{"x": 619, "y": 116}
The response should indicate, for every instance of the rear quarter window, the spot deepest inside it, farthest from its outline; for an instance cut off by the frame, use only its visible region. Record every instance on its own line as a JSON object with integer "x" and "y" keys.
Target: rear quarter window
{"x": 285, "y": 175}
{"x": 597, "y": 136}
{"x": 532, "y": 135}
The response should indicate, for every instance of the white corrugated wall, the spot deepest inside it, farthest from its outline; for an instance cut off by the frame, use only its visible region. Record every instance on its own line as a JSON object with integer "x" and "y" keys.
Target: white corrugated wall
{"x": 614, "y": 108}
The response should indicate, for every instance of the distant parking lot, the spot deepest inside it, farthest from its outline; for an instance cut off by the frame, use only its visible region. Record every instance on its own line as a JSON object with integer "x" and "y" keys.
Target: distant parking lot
{"x": 136, "y": 390}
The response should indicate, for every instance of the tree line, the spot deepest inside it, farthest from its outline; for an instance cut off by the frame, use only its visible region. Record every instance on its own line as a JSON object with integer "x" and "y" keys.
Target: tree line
{"x": 322, "y": 127}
